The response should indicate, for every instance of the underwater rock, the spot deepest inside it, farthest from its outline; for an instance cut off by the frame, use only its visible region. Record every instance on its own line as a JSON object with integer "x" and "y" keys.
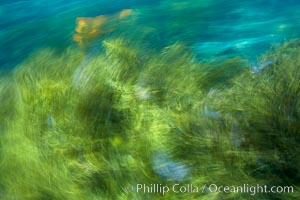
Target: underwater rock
{"x": 263, "y": 65}
{"x": 168, "y": 169}
{"x": 210, "y": 113}
{"x": 142, "y": 93}
{"x": 51, "y": 122}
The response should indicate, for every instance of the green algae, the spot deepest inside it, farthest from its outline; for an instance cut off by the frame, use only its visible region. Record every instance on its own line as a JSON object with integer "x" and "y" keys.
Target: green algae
{"x": 87, "y": 127}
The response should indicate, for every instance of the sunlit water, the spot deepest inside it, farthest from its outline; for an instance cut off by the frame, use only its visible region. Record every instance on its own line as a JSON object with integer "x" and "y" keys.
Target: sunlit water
{"x": 213, "y": 29}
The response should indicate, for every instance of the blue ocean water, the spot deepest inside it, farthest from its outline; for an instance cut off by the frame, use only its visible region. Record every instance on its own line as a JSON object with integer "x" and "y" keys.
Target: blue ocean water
{"x": 213, "y": 29}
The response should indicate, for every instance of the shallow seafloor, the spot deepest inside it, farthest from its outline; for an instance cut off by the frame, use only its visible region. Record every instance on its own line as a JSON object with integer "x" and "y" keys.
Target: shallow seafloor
{"x": 161, "y": 99}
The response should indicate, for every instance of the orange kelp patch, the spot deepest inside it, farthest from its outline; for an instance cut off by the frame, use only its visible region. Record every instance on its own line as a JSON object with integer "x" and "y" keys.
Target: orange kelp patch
{"x": 124, "y": 13}
{"x": 89, "y": 28}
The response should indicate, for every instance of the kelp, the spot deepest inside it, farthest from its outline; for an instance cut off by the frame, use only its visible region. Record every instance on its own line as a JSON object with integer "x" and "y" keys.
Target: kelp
{"x": 89, "y": 28}
{"x": 92, "y": 126}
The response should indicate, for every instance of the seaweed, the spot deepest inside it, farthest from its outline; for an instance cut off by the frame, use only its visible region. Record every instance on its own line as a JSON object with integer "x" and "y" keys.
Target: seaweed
{"x": 91, "y": 126}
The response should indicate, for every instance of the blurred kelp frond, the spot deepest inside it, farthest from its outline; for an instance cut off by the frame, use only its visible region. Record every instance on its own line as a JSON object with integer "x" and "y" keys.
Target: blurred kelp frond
{"x": 88, "y": 125}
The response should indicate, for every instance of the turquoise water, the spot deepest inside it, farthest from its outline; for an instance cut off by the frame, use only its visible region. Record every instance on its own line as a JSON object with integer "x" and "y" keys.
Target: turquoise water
{"x": 213, "y": 29}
